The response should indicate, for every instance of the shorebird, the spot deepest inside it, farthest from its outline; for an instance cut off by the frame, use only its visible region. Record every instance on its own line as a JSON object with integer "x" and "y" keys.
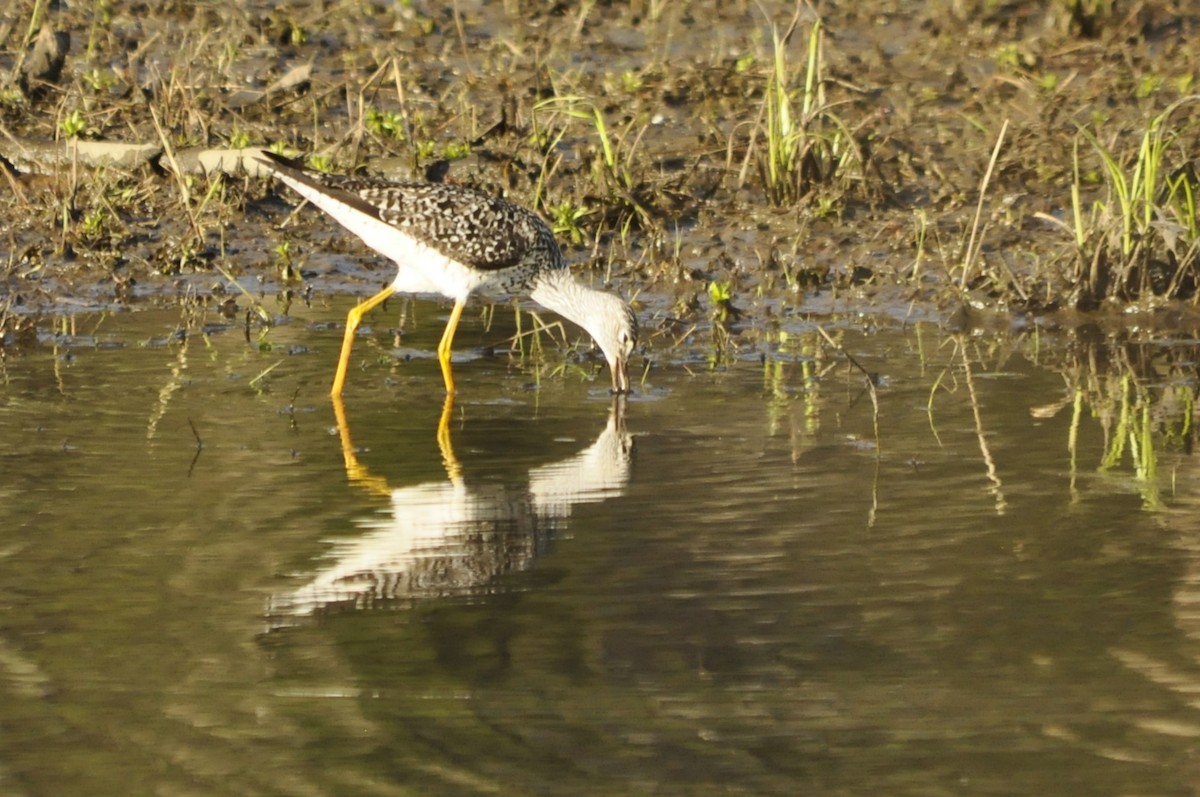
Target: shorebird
{"x": 457, "y": 241}
{"x": 455, "y": 536}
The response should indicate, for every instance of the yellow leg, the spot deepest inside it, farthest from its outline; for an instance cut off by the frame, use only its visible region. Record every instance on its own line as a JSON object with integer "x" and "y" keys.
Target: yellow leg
{"x": 353, "y": 319}
{"x": 356, "y": 472}
{"x": 443, "y": 349}
{"x": 453, "y": 469}
{"x": 360, "y": 476}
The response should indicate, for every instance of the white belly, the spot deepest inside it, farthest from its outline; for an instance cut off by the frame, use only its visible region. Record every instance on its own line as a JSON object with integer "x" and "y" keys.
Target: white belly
{"x": 424, "y": 270}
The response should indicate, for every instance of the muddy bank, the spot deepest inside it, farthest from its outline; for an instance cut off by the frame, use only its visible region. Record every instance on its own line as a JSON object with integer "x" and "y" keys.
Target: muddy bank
{"x": 722, "y": 163}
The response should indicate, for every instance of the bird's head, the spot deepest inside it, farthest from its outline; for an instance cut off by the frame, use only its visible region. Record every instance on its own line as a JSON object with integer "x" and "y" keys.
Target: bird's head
{"x": 616, "y": 333}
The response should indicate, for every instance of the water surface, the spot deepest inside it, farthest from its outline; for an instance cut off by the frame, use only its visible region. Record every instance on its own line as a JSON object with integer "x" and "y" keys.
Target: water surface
{"x": 743, "y": 580}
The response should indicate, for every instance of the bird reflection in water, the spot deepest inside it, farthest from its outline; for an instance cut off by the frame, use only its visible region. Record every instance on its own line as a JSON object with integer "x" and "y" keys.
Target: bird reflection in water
{"x": 452, "y": 537}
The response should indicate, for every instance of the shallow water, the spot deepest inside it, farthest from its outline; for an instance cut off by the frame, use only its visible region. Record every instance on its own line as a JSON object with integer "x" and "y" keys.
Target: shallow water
{"x": 740, "y": 581}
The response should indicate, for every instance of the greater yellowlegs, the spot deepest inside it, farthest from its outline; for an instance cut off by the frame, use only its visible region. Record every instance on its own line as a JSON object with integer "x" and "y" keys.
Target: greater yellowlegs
{"x": 456, "y": 241}
{"x": 455, "y": 536}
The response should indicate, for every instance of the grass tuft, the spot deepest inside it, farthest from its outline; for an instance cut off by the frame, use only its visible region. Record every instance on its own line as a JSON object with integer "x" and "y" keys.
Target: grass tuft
{"x": 1141, "y": 239}
{"x": 807, "y": 145}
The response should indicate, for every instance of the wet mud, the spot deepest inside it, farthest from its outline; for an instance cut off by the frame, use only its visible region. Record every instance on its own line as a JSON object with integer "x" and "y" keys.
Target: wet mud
{"x": 723, "y": 163}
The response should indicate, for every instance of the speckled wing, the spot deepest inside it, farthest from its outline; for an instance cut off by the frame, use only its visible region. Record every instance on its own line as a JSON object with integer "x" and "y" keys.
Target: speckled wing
{"x": 465, "y": 224}
{"x": 474, "y": 228}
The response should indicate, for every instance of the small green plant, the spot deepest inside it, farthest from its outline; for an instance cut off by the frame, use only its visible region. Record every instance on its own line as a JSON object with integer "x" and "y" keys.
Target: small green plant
{"x": 321, "y": 163}
{"x": 385, "y": 124}
{"x": 566, "y": 218}
{"x": 1148, "y": 86}
{"x": 826, "y": 206}
{"x": 1008, "y": 56}
{"x": 720, "y": 292}
{"x": 456, "y": 150}
{"x": 283, "y": 260}
{"x": 723, "y": 313}
{"x": 99, "y": 79}
{"x": 541, "y": 139}
{"x": 93, "y": 223}
{"x": 239, "y": 139}
{"x": 297, "y": 35}
{"x": 73, "y": 124}
{"x": 102, "y": 9}
{"x": 12, "y": 97}
{"x": 426, "y": 150}
{"x": 721, "y": 296}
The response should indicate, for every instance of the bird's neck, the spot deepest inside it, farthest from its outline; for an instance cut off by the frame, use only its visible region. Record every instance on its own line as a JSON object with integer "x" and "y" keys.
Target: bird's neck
{"x": 558, "y": 291}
